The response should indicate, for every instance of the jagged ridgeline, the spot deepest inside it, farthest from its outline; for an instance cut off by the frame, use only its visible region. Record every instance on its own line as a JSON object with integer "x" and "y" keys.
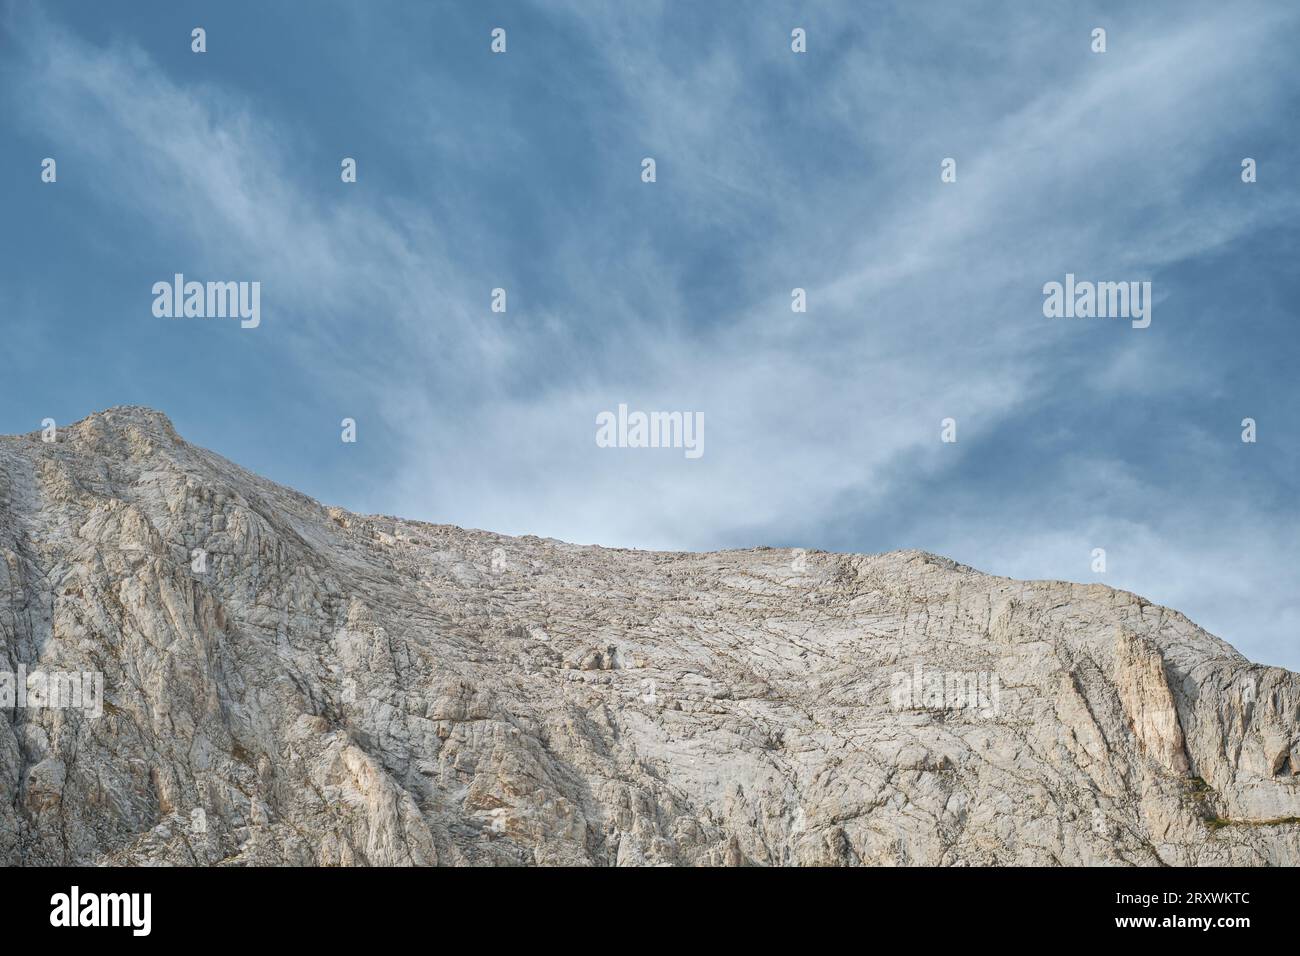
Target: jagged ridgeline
{"x": 205, "y": 667}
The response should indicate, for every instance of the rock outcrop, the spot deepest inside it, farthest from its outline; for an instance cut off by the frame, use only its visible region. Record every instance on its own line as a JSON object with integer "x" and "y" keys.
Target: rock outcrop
{"x": 286, "y": 683}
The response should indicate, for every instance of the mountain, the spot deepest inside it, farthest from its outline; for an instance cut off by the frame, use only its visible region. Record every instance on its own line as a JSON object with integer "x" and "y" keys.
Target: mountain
{"x": 288, "y": 683}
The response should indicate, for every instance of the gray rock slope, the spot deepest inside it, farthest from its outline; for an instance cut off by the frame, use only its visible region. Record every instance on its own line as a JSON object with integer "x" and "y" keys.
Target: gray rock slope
{"x": 330, "y": 688}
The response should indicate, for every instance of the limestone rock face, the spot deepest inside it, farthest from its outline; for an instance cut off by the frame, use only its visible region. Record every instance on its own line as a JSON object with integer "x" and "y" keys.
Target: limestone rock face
{"x": 285, "y": 683}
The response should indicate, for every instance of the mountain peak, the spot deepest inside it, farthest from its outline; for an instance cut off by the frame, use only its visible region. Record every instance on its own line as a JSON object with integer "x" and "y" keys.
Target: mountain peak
{"x": 139, "y": 416}
{"x": 116, "y": 419}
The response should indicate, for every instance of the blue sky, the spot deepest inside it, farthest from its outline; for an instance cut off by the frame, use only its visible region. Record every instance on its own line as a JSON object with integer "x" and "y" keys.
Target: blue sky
{"x": 775, "y": 170}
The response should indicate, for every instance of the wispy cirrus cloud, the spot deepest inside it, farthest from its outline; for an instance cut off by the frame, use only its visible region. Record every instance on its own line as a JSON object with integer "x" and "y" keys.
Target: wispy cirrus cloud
{"x": 776, "y": 171}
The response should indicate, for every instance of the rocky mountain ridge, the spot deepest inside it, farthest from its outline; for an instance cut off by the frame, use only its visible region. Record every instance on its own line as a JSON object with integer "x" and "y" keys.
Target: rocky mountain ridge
{"x": 287, "y": 683}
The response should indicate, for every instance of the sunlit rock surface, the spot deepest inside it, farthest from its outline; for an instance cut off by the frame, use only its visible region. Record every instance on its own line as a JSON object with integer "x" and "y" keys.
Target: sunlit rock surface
{"x": 340, "y": 689}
